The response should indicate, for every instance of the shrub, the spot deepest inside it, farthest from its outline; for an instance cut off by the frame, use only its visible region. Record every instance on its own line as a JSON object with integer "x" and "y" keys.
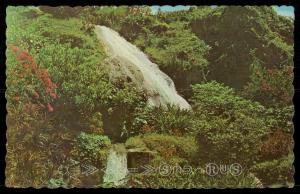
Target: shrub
{"x": 275, "y": 173}
{"x": 282, "y": 118}
{"x": 96, "y": 123}
{"x": 30, "y": 97}
{"x": 119, "y": 115}
{"x": 106, "y": 15}
{"x": 246, "y": 28}
{"x": 93, "y": 148}
{"x": 136, "y": 142}
{"x": 229, "y": 128}
{"x": 56, "y": 183}
{"x": 57, "y": 81}
{"x": 177, "y": 51}
{"x": 78, "y": 56}
{"x": 23, "y": 71}
{"x": 277, "y": 144}
{"x": 25, "y": 151}
{"x": 171, "y": 120}
{"x": 270, "y": 86}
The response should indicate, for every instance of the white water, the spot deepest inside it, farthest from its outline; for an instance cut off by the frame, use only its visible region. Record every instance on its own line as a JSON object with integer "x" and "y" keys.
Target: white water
{"x": 116, "y": 168}
{"x": 159, "y": 86}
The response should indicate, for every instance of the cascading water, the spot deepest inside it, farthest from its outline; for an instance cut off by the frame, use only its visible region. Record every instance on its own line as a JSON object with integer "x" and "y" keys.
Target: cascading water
{"x": 116, "y": 168}
{"x": 159, "y": 87}
{"x": 128, "y": 61}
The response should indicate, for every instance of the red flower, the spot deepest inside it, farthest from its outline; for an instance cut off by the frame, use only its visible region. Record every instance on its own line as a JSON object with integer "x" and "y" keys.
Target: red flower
{"x": 39, "y": 73}
{"x": 48, "y": 90}
{"x": 29, "y": 58}
{"x": 23, "y": 56}
{"x": 33, "y": 66}
{"x": 47, "y": 81}
{"x": 27, "y": 62}
{"x": 45, "y": 73}
{"x": 50, "y": 108}
{"x": 53, "y": 95}
{"x": 54, "y": 85}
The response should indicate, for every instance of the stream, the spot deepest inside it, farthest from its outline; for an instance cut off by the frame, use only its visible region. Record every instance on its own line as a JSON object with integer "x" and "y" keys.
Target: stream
{"x": 116, "y": 168}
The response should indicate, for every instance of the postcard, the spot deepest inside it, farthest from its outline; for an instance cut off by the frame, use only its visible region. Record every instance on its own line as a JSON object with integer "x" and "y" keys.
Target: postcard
{"x": 149, "y": 96}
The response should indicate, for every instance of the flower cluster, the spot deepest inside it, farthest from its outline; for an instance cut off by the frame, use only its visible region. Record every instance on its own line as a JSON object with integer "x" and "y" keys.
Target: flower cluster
{"x": 28, "y": 64}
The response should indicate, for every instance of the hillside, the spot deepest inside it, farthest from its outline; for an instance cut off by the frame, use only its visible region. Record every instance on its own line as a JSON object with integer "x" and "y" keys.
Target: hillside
{"x": 89, "y": 88}
{"x": 232, "y": 38}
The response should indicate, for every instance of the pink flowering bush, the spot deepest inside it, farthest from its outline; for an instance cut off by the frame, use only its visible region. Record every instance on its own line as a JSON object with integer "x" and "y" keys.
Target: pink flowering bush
{"x": 26, "y": 82}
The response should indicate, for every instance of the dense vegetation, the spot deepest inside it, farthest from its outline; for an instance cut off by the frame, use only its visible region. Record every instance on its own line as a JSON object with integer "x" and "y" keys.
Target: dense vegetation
{"x": 233, "y": 64}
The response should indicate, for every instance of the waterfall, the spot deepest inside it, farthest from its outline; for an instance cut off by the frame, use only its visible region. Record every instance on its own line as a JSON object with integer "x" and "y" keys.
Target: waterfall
{"x": 135, "y": 64}
{"x": 116, "y": 168}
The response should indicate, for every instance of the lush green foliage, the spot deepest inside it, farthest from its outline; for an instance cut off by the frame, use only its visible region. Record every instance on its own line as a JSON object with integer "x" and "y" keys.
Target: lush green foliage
{"x": 171, "y": 44}
{"x": 170, "y": 149}
{"x": 228, "y": 124}
{"x": 40, "y": 88}
{"x": 93, "y": 147}
{"x": 272, "y": 86}
{"x": 258, "y": 28}
{"x": 65, "y": 111}
{"x": 170, "y": 121}
{"x": 277, "y": 172}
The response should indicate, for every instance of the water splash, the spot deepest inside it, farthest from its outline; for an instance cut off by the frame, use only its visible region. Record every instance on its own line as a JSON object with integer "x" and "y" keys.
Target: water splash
{"x": 116, "y": 168}
{"x": 159, "y": 87}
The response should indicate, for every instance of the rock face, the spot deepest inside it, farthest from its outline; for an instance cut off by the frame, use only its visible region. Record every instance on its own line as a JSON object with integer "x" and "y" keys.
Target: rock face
{"x": 137, "y": 159}
{"x": 128, "y": 61}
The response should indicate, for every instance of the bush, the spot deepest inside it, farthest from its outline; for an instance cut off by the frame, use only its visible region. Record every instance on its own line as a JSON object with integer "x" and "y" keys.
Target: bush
{"x": 229, "y": 128}
{"x": 79, "y": 99}
{"x": 61, "y": 100}
{"x": 30, "y": 97}
{"x": 270, "y": 86}
{"x": 93, "y": 148}
{"x": 106, "y": 15}
{"x": 27, "y": 151}
{"x": 39, "y": 89}
{"x": 118, "y": 116}
{"x": 74, "y": 52}
{"x": 177, "y": 51}
{"x": 246, "y": 28}
{"x": 277, "y": 144}
{"x": 96, "y": 123}
{"x": 277, "y": 172}
{"x": 171, "y": 120}
{"x": 78, "y": 56}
